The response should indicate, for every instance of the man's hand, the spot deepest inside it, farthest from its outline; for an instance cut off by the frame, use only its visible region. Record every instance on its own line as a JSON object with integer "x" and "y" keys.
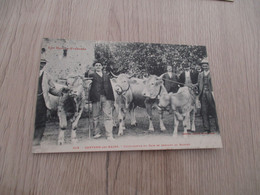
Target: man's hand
{"x": 64, "y": 89}
{"x": 58, "y": 92}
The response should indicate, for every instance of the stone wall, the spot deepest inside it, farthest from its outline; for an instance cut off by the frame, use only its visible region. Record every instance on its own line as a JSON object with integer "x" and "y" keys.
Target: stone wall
{"x": 67, "y": 57}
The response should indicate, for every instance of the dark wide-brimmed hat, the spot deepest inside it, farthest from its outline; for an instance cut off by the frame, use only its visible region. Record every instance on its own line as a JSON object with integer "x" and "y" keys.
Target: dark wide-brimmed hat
{"x": 97, "y": 61}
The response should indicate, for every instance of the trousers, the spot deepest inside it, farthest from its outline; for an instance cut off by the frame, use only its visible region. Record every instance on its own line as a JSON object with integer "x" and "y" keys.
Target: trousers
{"x": 104, "y": 106}
{"x": 40, "y": 119}
{"x": 208, "y": 108}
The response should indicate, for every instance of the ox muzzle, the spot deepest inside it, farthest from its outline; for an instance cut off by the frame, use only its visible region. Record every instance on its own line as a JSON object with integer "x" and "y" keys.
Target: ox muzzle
{"x": 118, "y": 90}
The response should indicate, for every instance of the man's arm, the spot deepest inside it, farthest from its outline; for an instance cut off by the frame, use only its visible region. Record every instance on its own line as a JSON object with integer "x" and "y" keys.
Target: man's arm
{"x": 200, "y": 86}
{"x": 182, "y": 79}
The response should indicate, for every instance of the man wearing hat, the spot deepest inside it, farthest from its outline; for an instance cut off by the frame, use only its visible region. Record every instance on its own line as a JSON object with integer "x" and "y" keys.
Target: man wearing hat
{"x": 206, "y": 97}
{"x": 188, "y": 77}
{"x": 170, "y": 80}
{"x": 102, "y": 97}
{"x": 45, "y": 87}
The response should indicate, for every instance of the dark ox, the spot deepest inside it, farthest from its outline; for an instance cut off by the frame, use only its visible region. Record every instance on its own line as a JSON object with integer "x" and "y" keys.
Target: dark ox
{"x": 129, "y": 95}
{"x": 73, "y": 97}
{"x": 183, "y": 105}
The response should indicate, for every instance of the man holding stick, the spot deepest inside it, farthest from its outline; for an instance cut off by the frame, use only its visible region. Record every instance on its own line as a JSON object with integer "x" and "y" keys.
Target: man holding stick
{"x": 102, "y": 97}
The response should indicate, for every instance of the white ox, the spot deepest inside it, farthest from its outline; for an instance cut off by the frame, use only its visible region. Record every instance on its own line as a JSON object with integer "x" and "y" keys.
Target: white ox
{"x": 153, "y": 90}
{"x": 129, "y": 95}
{"x": 75, "y": 93}
{"x": 183, "y": 105}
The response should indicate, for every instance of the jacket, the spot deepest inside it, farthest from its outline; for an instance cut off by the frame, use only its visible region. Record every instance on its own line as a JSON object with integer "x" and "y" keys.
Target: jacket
{"x": 170, "y": 83}
{"x": 200, "y": 83}
{"x": 96, "y": 87}
{"x": 193, "y": 77}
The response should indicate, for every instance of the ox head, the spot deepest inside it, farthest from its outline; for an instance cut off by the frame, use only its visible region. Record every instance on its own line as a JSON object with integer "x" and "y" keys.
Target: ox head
{"x": 193, "y": 89}
{"x": 164, "y": 100}
{"x": 153, "y": 86}
{"x": 77, "y": 85}
{"x": 121, "y": 83}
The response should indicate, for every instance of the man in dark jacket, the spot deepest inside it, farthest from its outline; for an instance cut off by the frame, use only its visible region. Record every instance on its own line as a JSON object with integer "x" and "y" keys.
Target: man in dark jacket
{"x": 206, "y": 97}
{"x": 102, "y": 97}
{"x": 45, "y": 86}
{"x": 188, "y": 77}
{"x": 170, "y": 80}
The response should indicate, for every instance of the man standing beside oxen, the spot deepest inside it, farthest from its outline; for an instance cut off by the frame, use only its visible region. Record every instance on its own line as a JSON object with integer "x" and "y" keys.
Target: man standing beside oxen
{"x": 206, "y": 97}
{"x": 45, "y": 86}
{"x": 102, "y": 97}
{"x": 170, "y": 80}
{"x": 188, "y": 77}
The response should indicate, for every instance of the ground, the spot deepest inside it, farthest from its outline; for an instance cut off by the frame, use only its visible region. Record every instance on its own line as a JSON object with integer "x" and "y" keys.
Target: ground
{"x": 52, "y": 128}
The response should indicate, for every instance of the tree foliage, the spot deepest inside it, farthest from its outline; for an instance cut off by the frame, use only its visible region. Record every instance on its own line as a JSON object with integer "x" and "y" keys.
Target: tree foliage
{"x": 146, "y": 58}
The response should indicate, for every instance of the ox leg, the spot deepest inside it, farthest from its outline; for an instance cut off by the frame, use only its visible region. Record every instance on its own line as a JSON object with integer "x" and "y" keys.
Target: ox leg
{"x": 193, "y": 120}
{"x": 186, "y": 124}
{"x": 176, "y": 124}
{"x": 62, "y": 124}
{"x": 121, "y": 116}
{"x": 114, "y": 122}
{"x": 188, "y": 120}
{"x": 75, "y": 126}
{"x": 75, "y": 123}
{"x": 133, "y": 119}
{"x": 150, "y": 115}
{"x": 74, "y": 117}
{"x": 162, "y": 127}
{"x": 151, "y": 128}
{"x": 73, "y": 136}
{"x": 115, "y": 116}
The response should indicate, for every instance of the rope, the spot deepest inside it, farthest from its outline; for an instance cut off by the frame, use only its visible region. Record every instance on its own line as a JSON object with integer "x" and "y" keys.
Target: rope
{"x": 188, "y": 85}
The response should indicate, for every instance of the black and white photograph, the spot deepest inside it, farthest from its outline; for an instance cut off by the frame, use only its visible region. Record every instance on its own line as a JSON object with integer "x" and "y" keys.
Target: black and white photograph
{"x": 116, "y": 96}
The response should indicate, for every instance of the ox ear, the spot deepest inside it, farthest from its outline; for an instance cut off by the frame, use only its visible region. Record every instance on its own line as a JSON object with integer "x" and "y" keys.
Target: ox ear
{"x": 113, "y": 80}
{"x": 159, "y": 82}
{"x": 87, "y": 83}
{"x": 130, "y": 76}
{"x": 132, "y": 81}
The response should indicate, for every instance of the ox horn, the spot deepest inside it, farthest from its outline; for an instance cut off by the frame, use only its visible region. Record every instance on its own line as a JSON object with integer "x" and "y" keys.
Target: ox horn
{"x": 130, "y": 75}
{"x": 62, "y": 79}
{"x": 113, "y": 74}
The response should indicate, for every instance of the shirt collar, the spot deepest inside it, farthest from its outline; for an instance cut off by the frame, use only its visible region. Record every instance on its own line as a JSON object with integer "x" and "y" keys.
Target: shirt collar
{"x": 100, "y": 74}
{"x": 187, "y": 73}
{"x": 206, "y": 73}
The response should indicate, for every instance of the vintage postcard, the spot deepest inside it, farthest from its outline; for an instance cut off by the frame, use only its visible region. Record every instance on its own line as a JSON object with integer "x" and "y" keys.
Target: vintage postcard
{"x": 116, "y": 96}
